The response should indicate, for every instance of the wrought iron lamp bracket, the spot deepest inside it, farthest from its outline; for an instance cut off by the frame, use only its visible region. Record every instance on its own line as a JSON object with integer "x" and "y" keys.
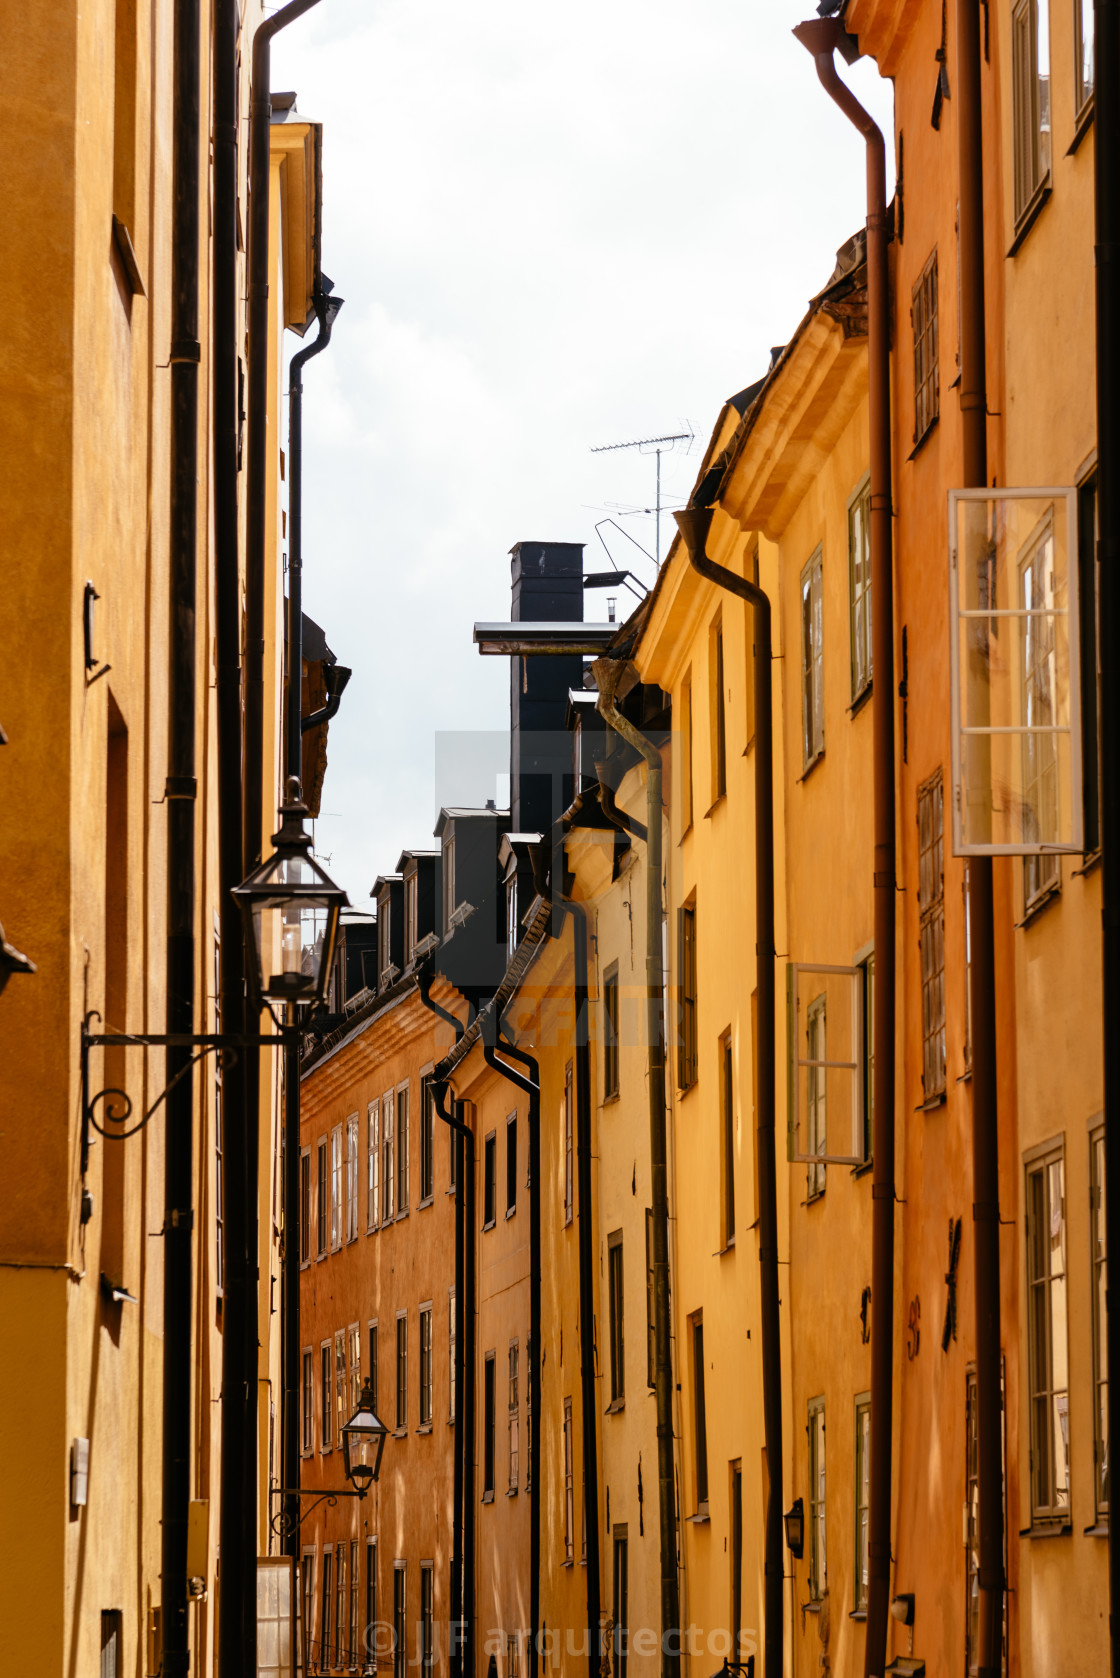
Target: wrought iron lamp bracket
{"x": 281, "y": 1522}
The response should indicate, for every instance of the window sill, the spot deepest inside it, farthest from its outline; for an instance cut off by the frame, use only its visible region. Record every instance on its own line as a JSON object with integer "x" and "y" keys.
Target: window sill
{"x": 489, "y": 1225}
{"x": 858, "y": 1614}
{"x": 687, "y": 1089}
{"x": 511, "y": 1491}
{"x": 1048, "y": 1529}
{"x": 615, "y": 1405}
{"x": 373, "y": 1229}
{"x": 685, "y": 831}
{"x": 862, "y": 1170}
{"x": 813, "y": 1606}
{"x": 728, "y": 1247}
{"x": 859, "y": 700}
{"x": 305, "y": 1264}
{"x": 1037, "y": 904}
{"x": 1089, "y": 864}
{"x": 425, "y": 1427}
{"x": 325, "y": 1450}
{"x": 920, "y": 442}
{"x": 401, "y": 1216}
{"x": 810, "y": 766}
{"x": 611, "y": 1100}
{"x": 932, "y": 1103}
{"x": 427, "y": 1201}
{"x": 1030, "y": 213}
{"x": 720, "y": 798}
{"x": 511, "y": 1211}
{"x": 1098, "y": 1531}
{"x": 1082, "y": 123}
{"x": 400, "y": 1433}
{"x": 811, "y": 1199}
{"x": 701, "y": 1517}
{"x": 567, "y": 1562}
{"x": 488, "y": 1497}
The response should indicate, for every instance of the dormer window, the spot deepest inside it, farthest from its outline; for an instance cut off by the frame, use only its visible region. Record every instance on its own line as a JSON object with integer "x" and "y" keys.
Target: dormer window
{"x": 411, "y": 896}
{"x": 511, "y": 914}
{"x": 384, "y": 944}
{"x": 449, "y": 898}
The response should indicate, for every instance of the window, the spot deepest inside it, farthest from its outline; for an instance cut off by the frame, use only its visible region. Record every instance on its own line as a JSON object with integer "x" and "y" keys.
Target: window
{"x": 111, "y": 1651}
{"x": 305, "y": 1206}
{"x": 866, "y": 971}
{"x": 569, "y": 1184}
{"x": 340, "y": 1388}
{"x": 490, "y": 1180}
{"x": 342, "y": 1604}
{"x": 511, "y": 1164}
{"x": 699, "y": 1416}
{"x": 736, "y": 1558}
{"x": 513, "y": 1654}
{"x": 336, "y": 1187}
{"x": 1041, "y": 874}
{"x": 1088, "y": 596}
{"x": 751, "y": 571}
{"x": 449, "y": 898}
{"x": 859, "y": 586}
{"x": 326, "y": 1389}
{"x": 514, "y": 1414}
{"x": 569, "y": 1496}
{"x": 369, "y": 1641}
{"x": 1099, "y": 1260}
{"x": 427, "y": 1141}
{"x": 384, "y": 939}
{"x": 511, "y": 915}
{"x": 355, "y": 1359}
{"x": 923, "y": 320}
{"x": 651, "y": 1330}
{"x": 972, "y": 1525}
{"x": 325, "y": 1616}
{"x": 402, "y": 1369}
{"x": 352, "y": 1178}
{"x": 321, "y": 1214}
{"x": 1030, "y": 102}
{"x": 863, "y": 1498}
{"x": 488, "y": 1424}
{"x": 1083, "y": 68}
{"x": 373, "y": 1160}
{"x": 686, "y": 939}
{"x": 816, "y": 1054}
{"x": 400, "y": 1621}
{"x": 307, "y": 1600}
{"x": 620, "y": 1604}
{"x": 727, "y": 1140}
{"x": 1046, "y": 1336}
{"x": 718, "y": 709}
{"x": 388, "y": 1157}
{"x": 615, "y": 1305}
{"x": 931, "y": 912}
{"x": 452, "y": 1355}
{"x": 402, "y": 1150}
{"x": 818, "y": 1556}
{"x": 529, "y": 1418}
{"x": 372, "y": 1336}
{"x": 610, "y": 1031}
{"x": 812, "y": 662}
{"x": 354, "y": 1630}
{"x": 426, "y": 1366}
{"x": 686, "y": 752}
{"x": 427, "y": 1615}
{"x": 411, "y": 893}
{"x": 454, "y": 1144}
{"x": 307, "y": 1394}
{"x": 966, "y": 889}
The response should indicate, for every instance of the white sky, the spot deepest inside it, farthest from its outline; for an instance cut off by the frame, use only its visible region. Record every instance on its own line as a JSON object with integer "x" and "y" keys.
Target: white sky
{"x": 554, "y": 227}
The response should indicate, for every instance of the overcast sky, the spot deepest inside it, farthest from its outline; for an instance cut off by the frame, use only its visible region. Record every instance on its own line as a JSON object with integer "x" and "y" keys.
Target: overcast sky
{"x": 554, "y": 227}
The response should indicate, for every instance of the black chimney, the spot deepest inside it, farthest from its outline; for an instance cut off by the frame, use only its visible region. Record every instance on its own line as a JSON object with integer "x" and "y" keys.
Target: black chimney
{"x": 547, "y": 588}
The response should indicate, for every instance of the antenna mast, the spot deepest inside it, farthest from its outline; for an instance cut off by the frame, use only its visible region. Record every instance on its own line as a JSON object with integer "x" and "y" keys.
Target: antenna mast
{"x": 658, "y": 446}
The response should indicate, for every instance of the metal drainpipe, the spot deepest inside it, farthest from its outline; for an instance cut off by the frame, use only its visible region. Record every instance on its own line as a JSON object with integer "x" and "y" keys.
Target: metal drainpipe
{"x": 1106, "y": 143}
{"x": 236, "y": 1643}
{"x": 694, "y": 526}
{"x": 822, "y": 37}
{"x": 607, "y": 675}
{"x": 462, "y": 1137}
{"x": 532, "y": 1087}
{"x": 180, "y": 793}
{"x": 985, "y": 1113}
{"x": 254, "y": 830}
{"x": 326, "y": 309}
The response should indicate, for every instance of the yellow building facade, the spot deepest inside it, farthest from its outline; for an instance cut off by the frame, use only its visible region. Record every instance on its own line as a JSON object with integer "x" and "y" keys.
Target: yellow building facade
{"x": 83, "y": 846}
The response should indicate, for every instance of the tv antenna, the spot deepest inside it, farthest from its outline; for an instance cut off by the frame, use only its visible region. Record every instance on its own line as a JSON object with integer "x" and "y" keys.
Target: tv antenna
{"x": 657, "y": 446}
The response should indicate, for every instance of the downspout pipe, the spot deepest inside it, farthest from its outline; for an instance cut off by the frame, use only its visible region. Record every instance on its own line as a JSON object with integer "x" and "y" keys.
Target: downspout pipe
{"x": 694, "y": 524}
{"x": 236, "y": 1642}
{"x": 973, "y": 394}
{"x": 1106, "y": 165}
{"x": 462, "y": 1140}
{"x": 822, "y": 37}
{"x": 180, "y": 793}
{"x": 326, "y": 309}
{"x": 530, "y": 1083}
{"x": 608, "y": 673}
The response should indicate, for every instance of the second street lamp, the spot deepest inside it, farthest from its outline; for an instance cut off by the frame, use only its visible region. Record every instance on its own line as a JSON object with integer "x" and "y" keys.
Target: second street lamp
{"x": 363, "y": 1442}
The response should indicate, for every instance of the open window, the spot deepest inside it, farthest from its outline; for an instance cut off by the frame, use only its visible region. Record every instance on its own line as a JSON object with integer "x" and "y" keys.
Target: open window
{"x": 826, "y": 1072}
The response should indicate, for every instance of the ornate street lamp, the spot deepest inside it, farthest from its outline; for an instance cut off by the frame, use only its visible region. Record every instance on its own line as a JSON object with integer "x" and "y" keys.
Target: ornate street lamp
{"x": 291, "y": 908}
{"x": 795, "y": 1528}
{"x": 363, "y": 1441}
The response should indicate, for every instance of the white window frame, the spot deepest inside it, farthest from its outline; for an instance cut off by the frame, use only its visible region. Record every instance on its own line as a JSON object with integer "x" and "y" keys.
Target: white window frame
{"x": 811, "y": 587}
{"x": 514, "y": 1416}
{"x": 427, "y": 1136}
{"x": 354, "y": 1363}
{"x": 337, "y": 1157}
{"x": 400, "y": 1373}
{"x": 322, "y": 1196}
{"x": 452, "y": 1337}
{"x": 373, "y": 1359}
{"x": 341, "y": 1382}
{"x": 804, "y": 1153}
{"x": 402, "y": 1148}
{"x": 859, "y": 599}
{"x": 326, "y": 1395}
{"x": 373, "y": 1164}
{"x": 1041, "y": 1380}
{"x": 817, "y": 1531}
{"x": 305, "y": 1167}
{"x": 388, "y": 1156}
{"x": 352, "y": 1177}
{"x": 426, "y": 1369}
{"x": 307, "y": 1401}
{"x": 1031, "y": 123}
{"x": 1098, "y": 1278}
